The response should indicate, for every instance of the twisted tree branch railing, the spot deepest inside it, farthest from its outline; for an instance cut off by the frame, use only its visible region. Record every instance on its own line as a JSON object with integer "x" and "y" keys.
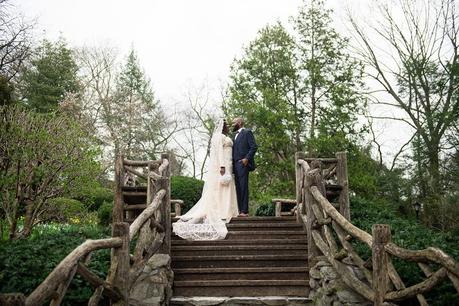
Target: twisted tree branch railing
{"x": 60, "y": 274}
{"x": 321, "y": 218}
{"x": 151, "y": 227}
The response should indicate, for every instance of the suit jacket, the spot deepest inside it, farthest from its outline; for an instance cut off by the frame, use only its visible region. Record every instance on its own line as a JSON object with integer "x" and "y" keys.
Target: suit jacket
{"x": 244, "y": 146}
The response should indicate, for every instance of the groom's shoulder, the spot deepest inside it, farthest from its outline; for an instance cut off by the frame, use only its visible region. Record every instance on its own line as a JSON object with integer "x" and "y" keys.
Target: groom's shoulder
{"x": 249, "y": 132}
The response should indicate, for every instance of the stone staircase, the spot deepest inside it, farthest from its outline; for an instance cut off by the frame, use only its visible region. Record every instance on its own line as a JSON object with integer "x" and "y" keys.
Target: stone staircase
{"x": 260, "y": 257}
{"x": 262, "y": 261}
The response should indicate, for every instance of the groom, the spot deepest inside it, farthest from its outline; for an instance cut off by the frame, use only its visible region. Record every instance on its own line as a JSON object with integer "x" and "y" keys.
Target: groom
{"x": 244, "y": 149}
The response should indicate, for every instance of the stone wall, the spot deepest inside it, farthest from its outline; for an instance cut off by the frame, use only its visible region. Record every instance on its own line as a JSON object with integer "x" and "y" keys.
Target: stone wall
{"x": 154, "y": 284}
{"x": 328, "y": 289}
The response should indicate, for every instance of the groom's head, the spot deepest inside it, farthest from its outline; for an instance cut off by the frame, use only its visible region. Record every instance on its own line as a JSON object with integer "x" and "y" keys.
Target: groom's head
{"x": 237, "y": 124}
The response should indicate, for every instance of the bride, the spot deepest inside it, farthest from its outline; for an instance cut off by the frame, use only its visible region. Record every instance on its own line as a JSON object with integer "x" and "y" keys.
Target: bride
{"x": 207, "y": 219}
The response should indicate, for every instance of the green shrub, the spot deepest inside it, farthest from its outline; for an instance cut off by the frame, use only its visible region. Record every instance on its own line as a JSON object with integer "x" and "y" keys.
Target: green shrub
{"x": 266, "y": 209}
{"x": 187, "y": 189}
{"x": 25, "y": 263}
{"x": 65, "y": 210}
{"x": 94, "y": 197}
{"x": 105, "y": 213}
{"x": 410, "y": 234}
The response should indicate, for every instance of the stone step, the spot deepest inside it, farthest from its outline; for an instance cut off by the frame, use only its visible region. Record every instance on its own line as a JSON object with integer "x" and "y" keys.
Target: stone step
{"x": 241, "y": 287}
{"x": 267, "y": 249}
{"x": 264, "y": 226}
{"x": 237, "y": 261}
{"x": 258, "y": 219}
{"x": 240, "y": 301}
{"x": 288, "y": 241}
{"x": 242, "y": 273}
{"x": 135, "y": 188}
{"x": 249, "y": 235}
{"x": 134, "y": 197}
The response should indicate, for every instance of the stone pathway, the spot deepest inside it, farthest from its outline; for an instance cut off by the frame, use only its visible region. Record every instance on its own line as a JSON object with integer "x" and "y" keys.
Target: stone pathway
{"x": 242, "y": 301}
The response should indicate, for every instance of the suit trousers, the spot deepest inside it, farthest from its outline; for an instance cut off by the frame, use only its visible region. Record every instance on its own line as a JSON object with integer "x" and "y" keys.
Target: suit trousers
{"x": 241, "y": 176}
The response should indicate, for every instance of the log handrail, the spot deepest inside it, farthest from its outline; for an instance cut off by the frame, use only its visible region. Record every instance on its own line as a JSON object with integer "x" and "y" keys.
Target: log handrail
{"x": 63, "y": 269}
{"x": 322, "y": 213}
{"x": 339, "y": 218}
{"x": 140, "y": 163}
{"x": 430, "y": 254}
{"x": 135, "y": 172}
{"x": 120, "y": 276}
{"x": 146, "y": 214}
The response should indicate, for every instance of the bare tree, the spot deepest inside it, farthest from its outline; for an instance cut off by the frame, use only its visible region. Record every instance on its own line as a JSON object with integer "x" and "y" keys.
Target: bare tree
{"x": 417, "y": 67}
{"x": 198, "y": 125}
{"x": 98, "y": 75}
{"x": 15, "y": 40}
{"x": 124, "y": 119}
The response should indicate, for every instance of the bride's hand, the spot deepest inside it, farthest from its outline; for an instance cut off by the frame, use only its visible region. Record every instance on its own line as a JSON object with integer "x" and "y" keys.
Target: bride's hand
{"x": 222, "y": 171}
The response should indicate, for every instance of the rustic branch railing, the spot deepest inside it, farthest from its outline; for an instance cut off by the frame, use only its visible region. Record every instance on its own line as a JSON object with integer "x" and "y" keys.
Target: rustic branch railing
{"x": 151, "y": 228}
{"x": 381, "y": 283}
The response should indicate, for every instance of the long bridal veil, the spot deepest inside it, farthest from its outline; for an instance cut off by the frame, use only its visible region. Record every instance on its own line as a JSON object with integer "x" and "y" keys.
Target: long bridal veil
{"x": 203, "y": 221}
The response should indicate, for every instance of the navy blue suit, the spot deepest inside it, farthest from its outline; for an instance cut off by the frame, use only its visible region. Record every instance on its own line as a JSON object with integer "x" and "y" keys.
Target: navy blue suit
{"x": 244, "y": 146}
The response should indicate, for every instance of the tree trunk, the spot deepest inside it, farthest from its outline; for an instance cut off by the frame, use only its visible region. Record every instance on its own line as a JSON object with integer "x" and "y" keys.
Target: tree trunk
{"x": 12, "y": 230}
{"x": 298, "y": 123}
{"x": 14, "y": 224}
{"x": 313, "y": 112}
{"x": 28, "y": 221}
{"x": 434, "y": 171}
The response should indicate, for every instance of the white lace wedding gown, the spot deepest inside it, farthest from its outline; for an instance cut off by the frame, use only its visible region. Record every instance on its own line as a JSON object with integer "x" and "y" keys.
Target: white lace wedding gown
{"x": 207, "y": 219}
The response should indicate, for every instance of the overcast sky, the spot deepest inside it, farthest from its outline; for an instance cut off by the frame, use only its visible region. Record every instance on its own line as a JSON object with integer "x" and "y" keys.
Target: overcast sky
{"x": 178, "y": 41}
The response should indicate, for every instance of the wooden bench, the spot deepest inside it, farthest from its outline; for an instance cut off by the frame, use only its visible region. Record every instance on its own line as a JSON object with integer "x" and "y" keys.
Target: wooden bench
{"x": 278, "y": 207}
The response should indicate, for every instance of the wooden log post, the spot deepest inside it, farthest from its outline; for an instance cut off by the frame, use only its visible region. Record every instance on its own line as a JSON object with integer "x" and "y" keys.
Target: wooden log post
{"x": 342, "y": 175}
{"x": 152, "y": 169}
{"x": 299, "y": 175}
{"x": 120, "y": 259}
{"x": 118, "y": 212}
{"x": 166, "y": 206}
{"x": 380, "y": 258}
{"x": 178, "y": 208}
{"x": 278, "y": 208}
{"x": 309, "y": 201}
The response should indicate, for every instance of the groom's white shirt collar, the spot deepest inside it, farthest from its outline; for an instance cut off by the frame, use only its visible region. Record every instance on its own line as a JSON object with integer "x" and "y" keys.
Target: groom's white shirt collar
{"x": 237, "y": 133}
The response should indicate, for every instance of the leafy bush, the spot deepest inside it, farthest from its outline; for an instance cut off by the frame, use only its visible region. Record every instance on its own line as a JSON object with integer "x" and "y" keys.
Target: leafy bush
{"x": 94, "y": 197}
{"x": 65, "y": 210}
{"x": 266, "y": 209}
{"x": 53, "y": 151}
{"x": 25, "y": 263}
{"x": 105, "y": 213}
{"x": 410, "y": 234}
{"x": 187, "y": 189}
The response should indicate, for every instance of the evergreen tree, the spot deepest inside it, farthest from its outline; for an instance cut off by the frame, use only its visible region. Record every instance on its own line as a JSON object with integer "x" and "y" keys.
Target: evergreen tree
{"x": 139, "y": 117}
{"x": 264, "y": 90}
{"x": 49, "y": 77}
{"x": 332, "y": 79}
{"x": 290, "y": 86}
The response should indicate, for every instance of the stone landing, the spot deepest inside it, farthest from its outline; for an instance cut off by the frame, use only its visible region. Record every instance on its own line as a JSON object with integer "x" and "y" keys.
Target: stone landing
{"x": 241, "y": 301}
